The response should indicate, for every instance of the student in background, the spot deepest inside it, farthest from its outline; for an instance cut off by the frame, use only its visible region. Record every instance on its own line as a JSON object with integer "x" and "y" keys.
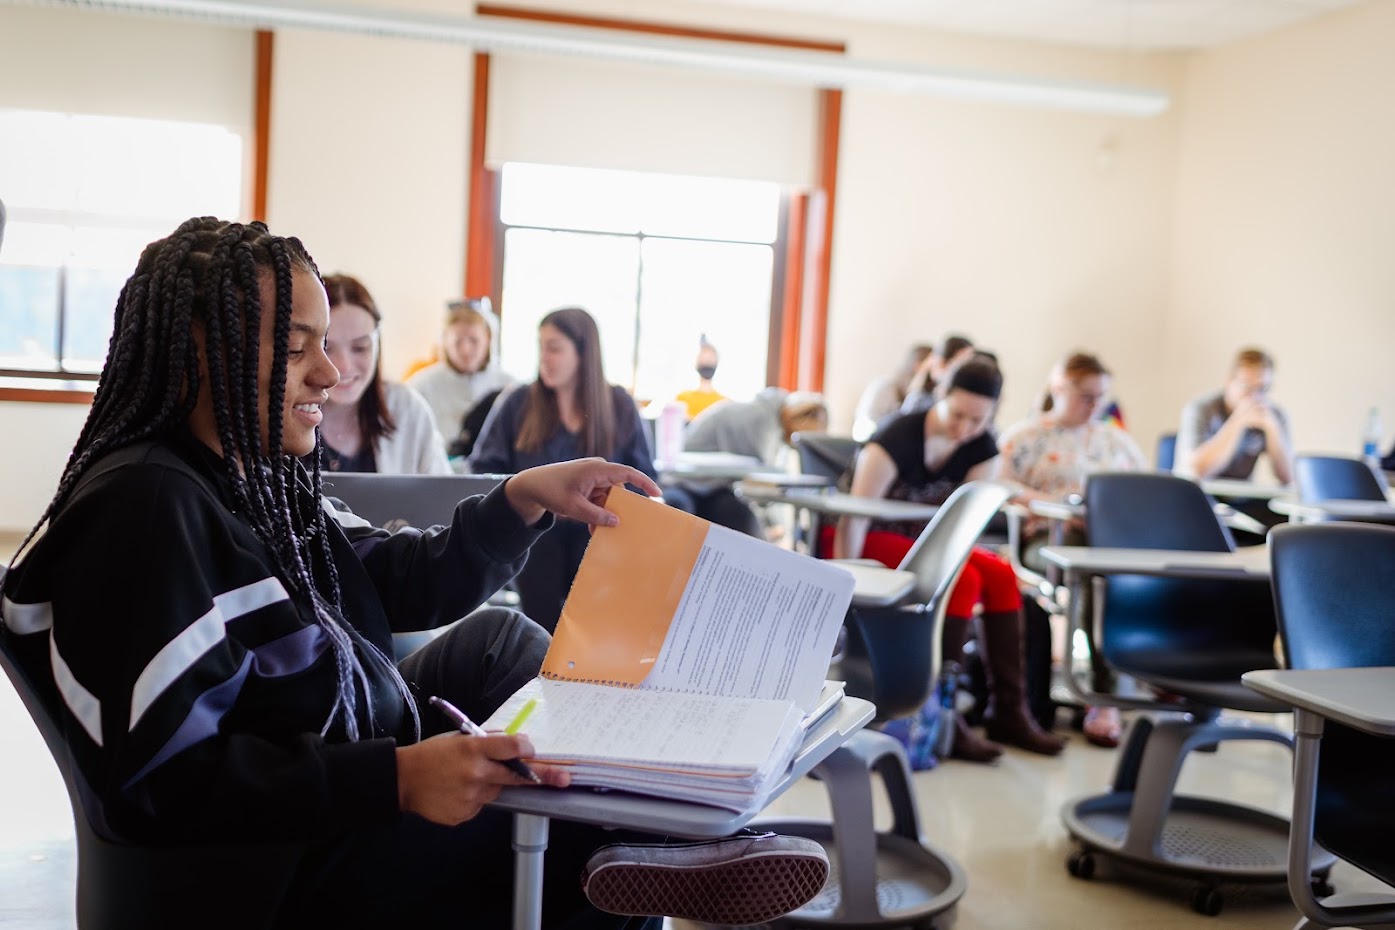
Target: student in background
{"x": 950, "y": 351}
{"x": 1224, "y": 433}
{"x": 923, "y": 457}
{"x": 1048, "y": 457}
{"x": 759, "y": 428}
{"x": 885, "y": 395}
{"x": 569, "y": 412}
{"x": 187, "y": 509}
{"x": 371, "y": 424}
{"x": 467, "y": 371}
{"x": 698, "y": 399}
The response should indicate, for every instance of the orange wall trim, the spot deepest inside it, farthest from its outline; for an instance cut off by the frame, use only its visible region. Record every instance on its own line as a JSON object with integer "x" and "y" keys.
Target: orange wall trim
{"x": 44, "y": 396}
{"x": 481, "y": 225}
{"x": 791, "y": 311}
{"x": 261, "y": 143}
{"x": 814, "y": 331}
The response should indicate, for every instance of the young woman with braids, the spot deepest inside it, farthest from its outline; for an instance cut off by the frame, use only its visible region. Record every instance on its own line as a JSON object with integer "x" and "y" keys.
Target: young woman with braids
{"x": 218, "y": 644}
{"x": 570, "y": 411}
{"x": 370, "y": 423}
{"x": 924, "y": 457}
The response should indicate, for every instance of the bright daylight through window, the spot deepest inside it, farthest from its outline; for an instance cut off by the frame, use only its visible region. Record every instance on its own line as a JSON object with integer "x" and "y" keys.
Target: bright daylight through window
{"x": 85, "y": 194}
{"x": 658, "y": 260}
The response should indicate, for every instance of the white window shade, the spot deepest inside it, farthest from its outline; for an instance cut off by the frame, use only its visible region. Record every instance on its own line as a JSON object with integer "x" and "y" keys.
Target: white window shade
{"x": 588, "y": 113}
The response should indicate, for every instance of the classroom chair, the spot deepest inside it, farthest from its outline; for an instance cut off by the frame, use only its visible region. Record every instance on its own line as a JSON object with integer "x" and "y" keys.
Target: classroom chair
{"x": 1329, "y": 477}
{"x": 825, "y": 454}
{"x": 1165, "y": 456}
{"x": 1332, "y": 593}
{"x": 126, "y": 887}
{"x": 1189, "y": 639}
{"x": 893, "y": 878}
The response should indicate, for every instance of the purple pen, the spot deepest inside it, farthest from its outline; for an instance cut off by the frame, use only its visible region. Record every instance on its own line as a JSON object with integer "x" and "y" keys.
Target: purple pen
{"x": 470, "y": 728}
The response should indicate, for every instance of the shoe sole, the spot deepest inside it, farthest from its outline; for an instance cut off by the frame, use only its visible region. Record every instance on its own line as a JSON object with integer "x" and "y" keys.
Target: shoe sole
{"x": 749, "y": 888}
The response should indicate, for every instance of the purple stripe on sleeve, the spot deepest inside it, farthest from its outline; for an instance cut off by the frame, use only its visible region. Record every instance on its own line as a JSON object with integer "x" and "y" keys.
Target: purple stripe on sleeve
{"x": 202, "y": 722}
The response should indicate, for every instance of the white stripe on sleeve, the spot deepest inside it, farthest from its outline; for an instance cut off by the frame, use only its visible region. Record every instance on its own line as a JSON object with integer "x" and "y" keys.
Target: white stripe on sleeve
{"x": 23, "y": 619}
{"x": 180, "y": 653}
{"x": 83, "y": 703}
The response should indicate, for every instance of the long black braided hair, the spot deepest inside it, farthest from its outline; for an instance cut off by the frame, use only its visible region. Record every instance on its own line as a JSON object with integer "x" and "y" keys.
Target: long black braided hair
{"x": 208, "y": 275}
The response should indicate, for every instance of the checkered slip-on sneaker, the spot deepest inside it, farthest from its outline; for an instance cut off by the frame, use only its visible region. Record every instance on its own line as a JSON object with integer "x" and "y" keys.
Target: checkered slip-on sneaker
{"x": 735, "y": 881}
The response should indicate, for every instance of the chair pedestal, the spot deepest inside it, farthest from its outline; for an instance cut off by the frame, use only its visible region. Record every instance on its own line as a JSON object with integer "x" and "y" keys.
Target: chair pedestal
{"x": 1142, "y": 822}
{"x": 877, "y": 879}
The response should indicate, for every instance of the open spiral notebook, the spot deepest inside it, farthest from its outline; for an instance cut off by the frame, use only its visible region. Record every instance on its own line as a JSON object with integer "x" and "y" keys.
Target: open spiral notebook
{"x": 687, "y": 659}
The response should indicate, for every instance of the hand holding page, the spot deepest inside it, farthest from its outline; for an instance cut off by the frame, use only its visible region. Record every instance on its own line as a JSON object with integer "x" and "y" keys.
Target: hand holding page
{"x": 685, "y": 658}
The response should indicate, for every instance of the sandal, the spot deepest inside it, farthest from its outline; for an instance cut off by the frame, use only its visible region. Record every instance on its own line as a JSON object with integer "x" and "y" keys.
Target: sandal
{"x": 1102, "y": 727}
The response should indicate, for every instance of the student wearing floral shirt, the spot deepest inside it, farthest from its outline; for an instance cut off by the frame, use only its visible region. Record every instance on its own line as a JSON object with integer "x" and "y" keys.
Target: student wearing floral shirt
{"x": 1048, "y": 456}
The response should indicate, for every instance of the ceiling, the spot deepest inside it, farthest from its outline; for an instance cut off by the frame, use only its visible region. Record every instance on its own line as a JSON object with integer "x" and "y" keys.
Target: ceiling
{"x": 1115, "y": 24}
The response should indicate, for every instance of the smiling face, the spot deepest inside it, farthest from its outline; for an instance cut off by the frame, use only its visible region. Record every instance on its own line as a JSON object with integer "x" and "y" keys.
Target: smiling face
{"x": 309, "y": 373}
{"x": 466, "y": 345}
{"x": 963, "y": 415}
{"x": 558, "y": 360}
{"x": 353, "y": 348}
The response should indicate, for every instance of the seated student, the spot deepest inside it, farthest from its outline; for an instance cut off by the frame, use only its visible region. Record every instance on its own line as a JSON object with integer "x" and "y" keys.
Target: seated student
{"x": 371, "y": 424}
{"x": 1224, "y": 433}
{"x": 1048, "y": 457}
{"x": 698, "y": 399}
{"x": 760, "y": 428}
{"x": 467, "y": 371}
{"x": 569, "y": 412}
{"x": 222, "y": 666}
{"x": 950, "y": 351}
{"x": 923, "y": 457}
{"x": 884, "y": 395}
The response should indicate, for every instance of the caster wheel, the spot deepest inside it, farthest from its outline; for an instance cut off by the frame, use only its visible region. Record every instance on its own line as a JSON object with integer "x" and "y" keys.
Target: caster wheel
{"x": 1207, "y": 901}
{"x": 1081, "y": 865}
{"x": 1322, "y": 888}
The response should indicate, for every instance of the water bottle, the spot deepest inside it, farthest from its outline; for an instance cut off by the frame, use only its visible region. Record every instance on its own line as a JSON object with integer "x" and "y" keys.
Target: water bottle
{"x": 668, "y": 434}
{"x": 945, "y": 690}
{"x": 1371, "y": 437}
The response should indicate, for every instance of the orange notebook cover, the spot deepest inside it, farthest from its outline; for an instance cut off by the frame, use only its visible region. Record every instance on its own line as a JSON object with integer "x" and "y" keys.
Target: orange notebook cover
{"x": 626, "y": 593}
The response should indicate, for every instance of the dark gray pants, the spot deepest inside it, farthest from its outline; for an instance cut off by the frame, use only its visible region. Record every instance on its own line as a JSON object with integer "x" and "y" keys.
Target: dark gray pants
{"x": 413, "y": 873}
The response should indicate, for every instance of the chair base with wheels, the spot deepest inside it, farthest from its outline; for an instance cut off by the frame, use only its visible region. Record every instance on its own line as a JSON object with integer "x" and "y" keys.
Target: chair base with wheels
{"x": 877, "y": 879}
{"x": 1140, "y": 821}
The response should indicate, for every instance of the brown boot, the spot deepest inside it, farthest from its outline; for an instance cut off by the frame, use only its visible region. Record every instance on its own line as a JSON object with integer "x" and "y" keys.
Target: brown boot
{"x": 1008, "y": 719}
{"x": 967, "y": 745}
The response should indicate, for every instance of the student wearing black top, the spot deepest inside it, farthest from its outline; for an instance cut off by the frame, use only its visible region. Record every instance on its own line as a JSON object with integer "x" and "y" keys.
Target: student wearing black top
{"x": 923, "y": 457}
{"x": 217, "y": 645}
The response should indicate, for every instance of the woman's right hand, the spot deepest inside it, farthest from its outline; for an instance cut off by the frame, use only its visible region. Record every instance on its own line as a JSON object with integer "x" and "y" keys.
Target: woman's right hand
{"x": 448, "y": 778}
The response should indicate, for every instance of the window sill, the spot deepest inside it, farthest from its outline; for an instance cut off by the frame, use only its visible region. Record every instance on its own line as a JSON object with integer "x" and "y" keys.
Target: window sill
{"x": 46, "y": 391}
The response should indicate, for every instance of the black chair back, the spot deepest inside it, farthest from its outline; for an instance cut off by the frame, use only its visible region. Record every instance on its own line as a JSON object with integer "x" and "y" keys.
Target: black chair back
{"x": 1333, "y": 596}
{"x": 1174, "y": 632}
{"x": 824, "y": 453}
{"x": 124, "y": 887}
{"x": 892, "y": 654}
{"x": 1329, "y": 477}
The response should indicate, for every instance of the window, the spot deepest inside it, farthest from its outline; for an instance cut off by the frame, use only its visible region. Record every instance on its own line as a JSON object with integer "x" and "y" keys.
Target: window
{"x": 84, "y": 195}
{"x": 658, "y": 260}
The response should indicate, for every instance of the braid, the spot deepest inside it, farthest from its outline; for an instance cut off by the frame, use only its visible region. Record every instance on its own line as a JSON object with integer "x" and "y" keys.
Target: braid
{"x": 208, "y": 274}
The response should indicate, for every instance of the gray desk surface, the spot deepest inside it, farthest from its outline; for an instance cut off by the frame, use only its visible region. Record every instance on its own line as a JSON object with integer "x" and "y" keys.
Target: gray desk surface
{"x": 682, "y": 818}
{"x": 728, "y": 467}
{"x": 1250, "y": 562}
{"x": 1234, "y": 487}
{"x": 1363, "y": 698}
{"x": 877, "y": 585}
{"x": 836, "y": 503}
{"x": 1364, "y": 511}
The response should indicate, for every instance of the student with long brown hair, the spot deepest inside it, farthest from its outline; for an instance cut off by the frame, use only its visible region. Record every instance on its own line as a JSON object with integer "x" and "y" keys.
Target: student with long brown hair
{"x": 371, "y": 424}
{"x": 569, "y": 412}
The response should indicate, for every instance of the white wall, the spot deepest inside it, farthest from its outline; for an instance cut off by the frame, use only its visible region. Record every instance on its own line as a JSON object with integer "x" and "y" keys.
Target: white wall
{"x": 1285, "y": 231}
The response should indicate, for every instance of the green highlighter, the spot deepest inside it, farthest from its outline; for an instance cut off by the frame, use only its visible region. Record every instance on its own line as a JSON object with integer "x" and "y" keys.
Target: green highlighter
{"x": 521, "y": 717}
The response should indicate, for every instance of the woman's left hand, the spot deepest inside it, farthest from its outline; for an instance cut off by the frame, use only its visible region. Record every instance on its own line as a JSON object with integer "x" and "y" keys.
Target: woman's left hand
{"x": 575, "y": 489}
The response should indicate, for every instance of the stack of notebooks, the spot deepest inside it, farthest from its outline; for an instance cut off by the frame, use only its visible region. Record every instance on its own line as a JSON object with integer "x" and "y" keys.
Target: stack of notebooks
{"x": 688, "y": 661}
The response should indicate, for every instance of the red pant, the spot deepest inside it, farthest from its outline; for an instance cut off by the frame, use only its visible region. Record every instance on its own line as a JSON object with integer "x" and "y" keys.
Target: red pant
{"x": 987, "y": 578}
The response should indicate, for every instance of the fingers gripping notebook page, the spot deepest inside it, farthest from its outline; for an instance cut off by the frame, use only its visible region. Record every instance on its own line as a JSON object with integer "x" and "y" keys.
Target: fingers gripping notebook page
{"x": 667, "y": 601}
